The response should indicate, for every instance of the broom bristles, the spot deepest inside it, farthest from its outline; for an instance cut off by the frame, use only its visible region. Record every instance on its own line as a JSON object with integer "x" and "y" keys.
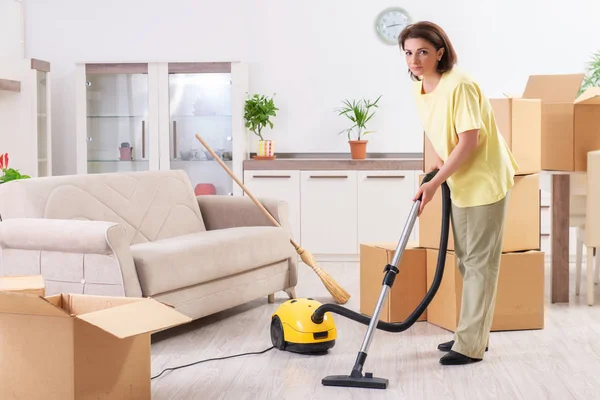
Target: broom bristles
{"x": 338, "y": 293}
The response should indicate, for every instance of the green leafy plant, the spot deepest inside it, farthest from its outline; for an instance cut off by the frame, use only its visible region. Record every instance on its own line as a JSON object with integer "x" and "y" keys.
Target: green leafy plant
{"x": 592, "y": 78}
{"x": 9, "y": 174}
{"x": 258, "y": 111}
{"x": 359, "y": 113}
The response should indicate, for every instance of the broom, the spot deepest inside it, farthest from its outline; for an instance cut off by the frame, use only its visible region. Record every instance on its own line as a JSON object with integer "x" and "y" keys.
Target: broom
{"x": 338, "y": 293}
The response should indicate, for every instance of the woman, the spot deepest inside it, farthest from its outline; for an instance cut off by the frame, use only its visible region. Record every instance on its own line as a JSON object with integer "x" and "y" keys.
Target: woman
{"x": 475, "y": 161}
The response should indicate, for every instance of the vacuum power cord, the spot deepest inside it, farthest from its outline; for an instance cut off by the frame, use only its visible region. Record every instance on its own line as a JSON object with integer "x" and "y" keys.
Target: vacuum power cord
{"x": 212, "y": 359}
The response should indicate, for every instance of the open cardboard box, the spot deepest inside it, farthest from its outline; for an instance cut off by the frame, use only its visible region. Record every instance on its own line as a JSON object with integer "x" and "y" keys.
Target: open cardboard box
{"x": 78, "y": 346}
{"x": 548, "y": 128}
{"x": 520, "y": 296}
{"x": 522, "y": 226}
{"x": 409, "y": 287}
{"x": 33, "y": 284}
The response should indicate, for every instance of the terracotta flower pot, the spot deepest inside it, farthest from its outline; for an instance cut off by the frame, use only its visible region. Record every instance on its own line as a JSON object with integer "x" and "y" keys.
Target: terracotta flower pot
{"x": 358, "y": 149}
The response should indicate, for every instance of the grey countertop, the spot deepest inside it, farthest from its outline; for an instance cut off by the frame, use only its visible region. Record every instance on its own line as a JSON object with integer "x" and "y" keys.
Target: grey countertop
{"x": 337, "y": 161}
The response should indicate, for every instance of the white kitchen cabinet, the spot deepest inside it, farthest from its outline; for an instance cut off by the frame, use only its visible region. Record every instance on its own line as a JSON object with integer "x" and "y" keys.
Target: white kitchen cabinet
{"x": 384, "y": 203}
{"x": 279, "y": 185}
{"x": 329, "y": 210}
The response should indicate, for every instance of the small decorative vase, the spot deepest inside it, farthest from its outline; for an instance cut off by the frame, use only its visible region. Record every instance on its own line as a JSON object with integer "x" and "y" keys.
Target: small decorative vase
{"x": 265, "y": 149}
{"x": 358, "y": 149}
{"x": 125, "y": 153}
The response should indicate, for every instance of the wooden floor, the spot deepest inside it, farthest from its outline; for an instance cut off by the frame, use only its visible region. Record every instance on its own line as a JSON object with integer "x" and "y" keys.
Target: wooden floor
{"x": 560, "y": 362}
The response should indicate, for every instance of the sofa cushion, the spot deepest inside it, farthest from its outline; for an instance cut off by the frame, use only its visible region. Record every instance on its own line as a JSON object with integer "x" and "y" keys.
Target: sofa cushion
{"x": 188, "y": 260}
{"x": 151, "y": 205}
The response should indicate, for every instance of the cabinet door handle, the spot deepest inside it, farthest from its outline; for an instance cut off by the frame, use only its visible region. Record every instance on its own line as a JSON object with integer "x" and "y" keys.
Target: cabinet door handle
{"x": 143, "y": 139}
{"x": 271, "y": 176}
{"x": 174, "y": 139}
{"x": 386, "y": 176}
{"x": 329, "y": 176}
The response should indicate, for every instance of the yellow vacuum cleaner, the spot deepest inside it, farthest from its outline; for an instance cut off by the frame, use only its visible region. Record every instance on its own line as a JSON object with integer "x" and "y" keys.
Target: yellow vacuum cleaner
{"x": 306, "y": 326}
{"x": 292, "y": 328}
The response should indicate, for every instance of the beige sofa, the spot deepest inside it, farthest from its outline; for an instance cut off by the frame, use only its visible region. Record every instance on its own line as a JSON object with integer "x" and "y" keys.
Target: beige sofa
{"x": 145, "y": 234}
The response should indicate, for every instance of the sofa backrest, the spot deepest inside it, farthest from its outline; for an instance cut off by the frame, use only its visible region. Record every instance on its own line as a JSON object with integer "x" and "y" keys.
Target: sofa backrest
{"x": 151, "y": 205}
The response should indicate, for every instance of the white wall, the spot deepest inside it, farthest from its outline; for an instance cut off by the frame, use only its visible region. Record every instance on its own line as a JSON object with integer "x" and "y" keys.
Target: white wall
{"x": 11, "y": 37}
{"x": 312, "y": 54}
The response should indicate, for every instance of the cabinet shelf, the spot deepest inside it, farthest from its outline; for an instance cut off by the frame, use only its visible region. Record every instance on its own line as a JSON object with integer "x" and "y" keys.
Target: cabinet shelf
{"x": 116, "y": 116}
{"x": 200, "y": 116}
{"x": 117, "y": 161}
{"x": 172, "y": 117}
{"x": 10, "y": 85}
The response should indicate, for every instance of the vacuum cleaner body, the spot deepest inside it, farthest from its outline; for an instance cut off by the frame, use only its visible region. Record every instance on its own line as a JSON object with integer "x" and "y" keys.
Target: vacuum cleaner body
{"x": 292, "y": 328}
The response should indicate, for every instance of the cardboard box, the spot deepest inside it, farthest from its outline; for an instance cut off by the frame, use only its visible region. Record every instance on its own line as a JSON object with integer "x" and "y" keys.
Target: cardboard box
{"x": 522, "y": 226}
{"x": 548, "y": 128}
{"x": 34, "y": 284}
{"x": 78, "y": 346}
{"x": 520, "y": 123}
{"x": 520, "y": 297}
{"x": 409, "y": 286}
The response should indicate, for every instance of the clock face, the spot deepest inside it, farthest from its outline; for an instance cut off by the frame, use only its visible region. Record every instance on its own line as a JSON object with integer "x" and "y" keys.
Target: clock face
{"x": 390, "y": 23}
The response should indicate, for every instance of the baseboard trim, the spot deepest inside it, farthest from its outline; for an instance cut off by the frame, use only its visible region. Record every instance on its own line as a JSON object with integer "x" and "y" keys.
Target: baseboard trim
{"x": 337, "y": 257}
{"x": 356, "y": 257}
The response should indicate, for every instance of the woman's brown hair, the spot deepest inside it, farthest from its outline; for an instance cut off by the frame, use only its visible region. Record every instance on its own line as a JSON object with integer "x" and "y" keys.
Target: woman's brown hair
{"x": 437, "y": 37}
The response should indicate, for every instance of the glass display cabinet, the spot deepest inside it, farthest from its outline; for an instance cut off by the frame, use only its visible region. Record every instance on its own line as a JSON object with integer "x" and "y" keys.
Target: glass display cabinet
{"x": 144, "y": 116}
{"x": 117, "y": 108}
{"x": 200, "y": 103}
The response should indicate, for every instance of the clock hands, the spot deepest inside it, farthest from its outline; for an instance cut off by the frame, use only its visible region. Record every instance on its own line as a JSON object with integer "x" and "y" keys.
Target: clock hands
{"x": 389, "y": 26}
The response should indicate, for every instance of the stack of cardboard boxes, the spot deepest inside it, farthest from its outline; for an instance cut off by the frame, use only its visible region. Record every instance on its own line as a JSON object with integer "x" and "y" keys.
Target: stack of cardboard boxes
{"x": 520, "y": 296}
{"x": 548, "y": 128}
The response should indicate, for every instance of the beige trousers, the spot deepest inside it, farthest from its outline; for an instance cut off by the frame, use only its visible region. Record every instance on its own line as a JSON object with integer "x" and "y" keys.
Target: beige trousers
{"x": 478, "y": 247}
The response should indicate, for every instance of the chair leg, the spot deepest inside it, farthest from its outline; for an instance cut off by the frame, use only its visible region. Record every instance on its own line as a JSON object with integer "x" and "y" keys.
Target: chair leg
{"x": 271, "y": 298}
{"x": 597, "y": 257}
{"x": 578, "y": 261}
{"x": 291, "y": 292}
{"x": 590, "y": 276}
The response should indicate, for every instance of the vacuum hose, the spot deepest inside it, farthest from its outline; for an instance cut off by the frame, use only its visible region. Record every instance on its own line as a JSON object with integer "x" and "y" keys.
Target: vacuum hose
{"x": 319, "y": 313}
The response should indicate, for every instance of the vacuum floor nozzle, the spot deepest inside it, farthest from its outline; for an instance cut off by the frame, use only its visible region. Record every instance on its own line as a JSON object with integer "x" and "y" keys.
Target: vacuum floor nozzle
{"x": 367, "y": 381}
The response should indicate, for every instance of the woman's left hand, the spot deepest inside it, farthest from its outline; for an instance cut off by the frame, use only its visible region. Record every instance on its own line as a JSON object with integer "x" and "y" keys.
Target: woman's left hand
{"x": 428, "y": 191}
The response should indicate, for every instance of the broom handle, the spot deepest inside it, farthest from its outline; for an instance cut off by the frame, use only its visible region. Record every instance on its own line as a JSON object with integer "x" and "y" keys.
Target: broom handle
{"x": 263, "y": 209}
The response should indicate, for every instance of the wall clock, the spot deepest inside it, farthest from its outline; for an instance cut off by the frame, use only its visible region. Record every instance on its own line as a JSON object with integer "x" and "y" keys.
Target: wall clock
{"x": 390, "y": 22}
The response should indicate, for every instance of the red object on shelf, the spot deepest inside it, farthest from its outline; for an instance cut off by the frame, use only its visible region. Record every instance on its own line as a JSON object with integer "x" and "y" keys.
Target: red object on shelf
{"x": 203, "y": 189}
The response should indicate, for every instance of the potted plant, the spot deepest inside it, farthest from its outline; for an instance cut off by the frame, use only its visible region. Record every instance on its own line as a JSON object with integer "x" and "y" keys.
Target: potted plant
{"x": 9, "y": 174}
{"x": 359, "y": 113}
{"x": 258, "y": 111}
{"x": 592, "y": 78}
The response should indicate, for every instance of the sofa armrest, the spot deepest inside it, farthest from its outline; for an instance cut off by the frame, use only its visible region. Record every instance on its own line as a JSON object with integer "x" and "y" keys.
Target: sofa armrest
{"x": 73, "y": 236}
{"x": 220, "y": 212}
{"x": 67, "y": 236}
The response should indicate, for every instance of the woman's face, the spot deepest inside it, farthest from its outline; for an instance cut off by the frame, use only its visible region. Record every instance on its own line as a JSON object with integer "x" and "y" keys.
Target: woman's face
{"x": 421, "y": 57}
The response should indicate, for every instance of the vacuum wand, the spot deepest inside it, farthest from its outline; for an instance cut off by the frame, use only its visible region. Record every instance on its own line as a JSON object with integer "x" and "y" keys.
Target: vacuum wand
{"x": 356, "y": 378}
{"x": 390, "y": 276}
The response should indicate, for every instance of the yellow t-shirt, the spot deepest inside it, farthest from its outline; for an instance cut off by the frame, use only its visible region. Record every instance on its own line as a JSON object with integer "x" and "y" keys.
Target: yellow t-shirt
{"x": 456, "y": 105}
